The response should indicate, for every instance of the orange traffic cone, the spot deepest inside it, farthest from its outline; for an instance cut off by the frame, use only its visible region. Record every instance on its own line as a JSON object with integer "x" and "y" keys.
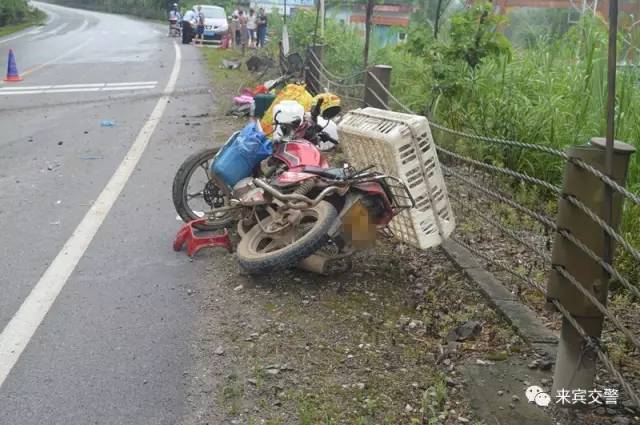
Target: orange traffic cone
{"x": 12, "y": 69}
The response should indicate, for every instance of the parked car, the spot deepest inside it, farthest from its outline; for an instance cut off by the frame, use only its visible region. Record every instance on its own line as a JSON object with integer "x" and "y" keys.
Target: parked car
{"x": 215, "y": 23}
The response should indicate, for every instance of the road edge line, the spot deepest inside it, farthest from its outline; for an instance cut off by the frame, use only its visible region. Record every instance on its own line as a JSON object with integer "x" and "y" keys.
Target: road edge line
{"x": 24, "y": 323}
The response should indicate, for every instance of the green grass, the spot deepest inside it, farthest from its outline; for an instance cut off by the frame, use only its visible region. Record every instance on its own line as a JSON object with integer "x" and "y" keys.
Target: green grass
{"x": 36, "y": 19}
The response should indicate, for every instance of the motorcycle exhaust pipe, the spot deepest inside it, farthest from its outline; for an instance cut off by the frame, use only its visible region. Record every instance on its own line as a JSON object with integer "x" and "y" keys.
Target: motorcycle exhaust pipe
{"x": 315, "y": 264}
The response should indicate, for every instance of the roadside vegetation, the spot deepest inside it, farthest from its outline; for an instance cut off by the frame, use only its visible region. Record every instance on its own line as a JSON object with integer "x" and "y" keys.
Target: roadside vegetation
{"x": 545, "y": 87}
{"x": 16, "y": 15}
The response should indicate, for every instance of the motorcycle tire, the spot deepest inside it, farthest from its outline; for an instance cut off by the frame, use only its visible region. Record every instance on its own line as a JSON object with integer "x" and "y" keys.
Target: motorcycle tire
{"x": 180, "y": 185}
{"x": 289, "y": 256}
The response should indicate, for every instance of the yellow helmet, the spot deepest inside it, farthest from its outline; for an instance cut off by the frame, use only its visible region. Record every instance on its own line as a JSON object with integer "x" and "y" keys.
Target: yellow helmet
{"x": 329, "y": 105}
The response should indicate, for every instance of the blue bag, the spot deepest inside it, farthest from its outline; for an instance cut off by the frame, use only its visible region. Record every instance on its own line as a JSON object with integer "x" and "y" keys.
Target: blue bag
{"x": 242, "y": 155}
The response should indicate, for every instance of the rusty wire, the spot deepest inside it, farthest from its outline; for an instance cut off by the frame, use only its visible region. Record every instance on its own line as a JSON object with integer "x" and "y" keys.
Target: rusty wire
{"x": 506, "y": 171}
{"x": 587, "y": 294}
{"x": 580, "y": 163}
{"x": 547, "y": 222}
{"x": 594, "y": 343}
{"x": 543, "y": 219}
{"x": 545, "y": 256}
{"x": 566, "y": 314}
{"x": 600, "y": 222}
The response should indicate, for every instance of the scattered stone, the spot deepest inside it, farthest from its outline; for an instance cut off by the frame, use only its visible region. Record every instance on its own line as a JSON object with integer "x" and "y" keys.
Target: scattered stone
{"x": 252, "y": 336}
{"x": 219, "y": 351}
{"x": 189, "y": 291}
{"x": 463, "y": 420}
{"x": 360, "y": 385}
{"x": 415, "y": 324}
{"x": 451, "y": 382}
{"x": 408, "y": 408}
{"x": 500, "y": 393}
{"x": 273, "y": 371}
{"x": 252, "y": 382}
{"x": 467, "y": 330}
{"x": 546, "y": 364}
{"x": 533, "y": 365}
{"x": 238, "y": 288}
{"x": 484, "y": 362}
{"x": 515, "y": 398}
{"x": 366, "y": 316}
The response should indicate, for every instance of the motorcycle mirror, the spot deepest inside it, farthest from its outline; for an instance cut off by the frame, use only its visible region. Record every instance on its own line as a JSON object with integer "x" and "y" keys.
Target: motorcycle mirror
{"x": 316, "y": 109}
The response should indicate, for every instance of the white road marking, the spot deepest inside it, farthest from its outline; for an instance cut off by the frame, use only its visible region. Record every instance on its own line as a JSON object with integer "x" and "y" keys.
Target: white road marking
{"x": 20, "y": 329}
{"x": 21, "y": 34}
{"x": 51, "y": 32}
{"x": 76, "y": 90}
{"x": 73, "y": 88}
{"x": 84, "y": 25}
{"x": 133, "y": 83}
{"x": 127, "y": 88}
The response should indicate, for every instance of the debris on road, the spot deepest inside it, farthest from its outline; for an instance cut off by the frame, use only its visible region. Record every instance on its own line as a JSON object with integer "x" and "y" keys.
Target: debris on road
{"x": 227, "y": 64}
{"x": 107, "y": 123}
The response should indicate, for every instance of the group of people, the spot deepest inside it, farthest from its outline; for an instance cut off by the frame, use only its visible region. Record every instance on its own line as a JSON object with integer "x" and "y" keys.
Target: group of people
{"x": 248, "y": 29}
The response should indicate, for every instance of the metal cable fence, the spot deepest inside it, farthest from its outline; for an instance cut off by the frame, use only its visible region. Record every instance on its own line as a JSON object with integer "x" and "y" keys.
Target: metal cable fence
{"x": 486, "y": 194}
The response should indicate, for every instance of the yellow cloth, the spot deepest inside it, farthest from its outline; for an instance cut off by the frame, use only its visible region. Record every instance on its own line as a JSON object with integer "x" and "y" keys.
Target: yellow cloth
{"x": 290, "y": 92}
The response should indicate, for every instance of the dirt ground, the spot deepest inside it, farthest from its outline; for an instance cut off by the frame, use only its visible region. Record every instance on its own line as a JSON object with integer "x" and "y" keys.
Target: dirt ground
{"x": 401, "y": 338}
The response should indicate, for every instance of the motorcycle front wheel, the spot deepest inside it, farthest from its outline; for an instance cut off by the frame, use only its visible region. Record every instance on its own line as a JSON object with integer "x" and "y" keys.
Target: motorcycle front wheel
{"x": 194, "y": 192}
{"x": 261, "y": 251}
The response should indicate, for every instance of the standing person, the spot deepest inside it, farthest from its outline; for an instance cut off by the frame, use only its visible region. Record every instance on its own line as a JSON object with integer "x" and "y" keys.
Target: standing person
{"x": 199, "y": 27}
{"x": 187, "y": 26}
{"x": 173, "y": 19}
{"x": 262, "y": 27}
{"x": 242, "y": 21}
{"x": 252, "y": 25}
{"x": 233, "y": 28}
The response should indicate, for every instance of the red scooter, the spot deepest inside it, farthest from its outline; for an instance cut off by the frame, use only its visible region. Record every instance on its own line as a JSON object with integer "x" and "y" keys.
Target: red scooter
{"x": 296, "y": 209}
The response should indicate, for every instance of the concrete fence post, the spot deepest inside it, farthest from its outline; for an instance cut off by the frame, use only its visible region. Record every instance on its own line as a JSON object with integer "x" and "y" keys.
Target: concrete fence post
{"x": 312, "y": 72}
{"x": 576, "y": 362}
{"x": 375, "y": 95}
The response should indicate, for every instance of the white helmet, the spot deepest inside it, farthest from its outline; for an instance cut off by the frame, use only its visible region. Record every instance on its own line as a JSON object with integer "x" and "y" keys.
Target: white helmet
{"x": 287, "y": 117}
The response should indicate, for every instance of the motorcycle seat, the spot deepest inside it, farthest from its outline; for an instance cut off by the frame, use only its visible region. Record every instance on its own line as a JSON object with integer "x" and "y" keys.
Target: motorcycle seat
{"x": 329, "y": 173}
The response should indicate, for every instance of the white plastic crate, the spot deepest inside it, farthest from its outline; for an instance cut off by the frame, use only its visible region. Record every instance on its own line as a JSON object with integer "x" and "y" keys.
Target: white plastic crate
{"x": 401, "y": 145}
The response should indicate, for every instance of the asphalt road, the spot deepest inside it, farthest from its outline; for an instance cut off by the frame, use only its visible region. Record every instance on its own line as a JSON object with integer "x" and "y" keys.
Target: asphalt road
{"x": 116, "y": 335}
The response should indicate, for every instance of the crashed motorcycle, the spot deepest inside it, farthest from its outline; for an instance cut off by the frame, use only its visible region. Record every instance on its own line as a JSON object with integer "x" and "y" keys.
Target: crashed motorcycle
{"x": 294, "y": 208}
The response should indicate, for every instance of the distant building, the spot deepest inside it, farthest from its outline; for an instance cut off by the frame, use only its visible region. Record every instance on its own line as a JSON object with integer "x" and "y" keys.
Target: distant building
{"x": 391, "y": 21}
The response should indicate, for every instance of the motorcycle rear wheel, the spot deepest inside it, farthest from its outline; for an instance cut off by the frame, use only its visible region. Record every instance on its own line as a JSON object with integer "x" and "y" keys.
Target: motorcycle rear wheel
{"x": 260, "y": 252}
{"x": 199, "y": 160}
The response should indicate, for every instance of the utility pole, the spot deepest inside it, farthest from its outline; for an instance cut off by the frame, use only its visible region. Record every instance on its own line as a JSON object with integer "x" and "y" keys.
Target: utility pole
{"x": 321, "y": 12}
{"x": 367, "y": 29}
{"x": 437, "y": 20}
